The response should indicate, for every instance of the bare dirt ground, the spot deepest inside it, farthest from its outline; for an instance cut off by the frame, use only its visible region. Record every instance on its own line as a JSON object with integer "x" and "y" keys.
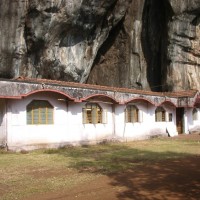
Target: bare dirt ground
{"x": 175, "y": 179}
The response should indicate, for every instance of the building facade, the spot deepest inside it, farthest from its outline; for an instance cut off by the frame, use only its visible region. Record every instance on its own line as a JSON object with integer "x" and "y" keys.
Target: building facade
{"x": 37, "y": 113}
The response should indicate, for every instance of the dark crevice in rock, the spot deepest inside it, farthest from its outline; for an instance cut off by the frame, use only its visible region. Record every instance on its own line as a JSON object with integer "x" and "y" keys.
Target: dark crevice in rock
{"x": 91, "y": 14}
{"x": 109, "y": 13}
{"x": 154, "y": 38}
{"x": 187, "y": 63}
{"x": 108, "y": 67}
{"x": 110, "y": 40}
{"x": 71, "y": 38}
{"x": 196, "y": 20}
{"x": 52, "y": 10}
{"x": 6, "y": 74}
{"x": 184, "y": 36}
{"x": 34, "y": 45}
{"x": 33, "y": 13}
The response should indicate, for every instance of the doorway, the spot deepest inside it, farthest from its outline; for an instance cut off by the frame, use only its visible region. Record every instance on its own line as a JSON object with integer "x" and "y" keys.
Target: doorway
{"x": 180, "y": 120}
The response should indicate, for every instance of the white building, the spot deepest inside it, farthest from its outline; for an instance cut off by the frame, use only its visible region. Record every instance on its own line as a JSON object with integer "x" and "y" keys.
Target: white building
{"x": 37, "y": 113}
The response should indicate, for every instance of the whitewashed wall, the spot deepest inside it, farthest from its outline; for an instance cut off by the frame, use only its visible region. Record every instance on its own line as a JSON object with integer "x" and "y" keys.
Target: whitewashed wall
{"x": 147, "y": 127}
{"x": 191, "y": 125}
{"x": 21, "y": 134}
{"x": 67, "y": 128}
{"x": 129, "y": 131}
{"x": 88, "y": 132}
{"x": 169, "y": 126}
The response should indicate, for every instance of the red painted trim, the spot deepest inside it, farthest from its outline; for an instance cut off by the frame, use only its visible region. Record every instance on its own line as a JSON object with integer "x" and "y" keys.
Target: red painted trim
{"x": 10, "y": 97}
{"x": 143, "y": 99}
{"x": 197, "y": 101}
{"x": 48, "y": 90}
{"x": 77, "y": 101}
{"x": 167, "y": 102}
{"x": 98, "y": 95}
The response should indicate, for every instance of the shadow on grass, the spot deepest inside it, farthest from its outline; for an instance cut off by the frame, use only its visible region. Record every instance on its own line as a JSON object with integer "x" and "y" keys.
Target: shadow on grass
{"x": 142, "y": 174}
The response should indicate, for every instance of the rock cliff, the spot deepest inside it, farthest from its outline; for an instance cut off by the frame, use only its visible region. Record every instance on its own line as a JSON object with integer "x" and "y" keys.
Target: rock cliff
{"x": 144, "y": 44}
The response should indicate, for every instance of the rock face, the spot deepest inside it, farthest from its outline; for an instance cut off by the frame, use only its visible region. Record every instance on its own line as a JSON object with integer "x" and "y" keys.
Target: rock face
{"x": 183, "y": 51}
{"x": 144, "y": 44}
{"x": 56, "y": 39}
{"x": 156, "y": 47}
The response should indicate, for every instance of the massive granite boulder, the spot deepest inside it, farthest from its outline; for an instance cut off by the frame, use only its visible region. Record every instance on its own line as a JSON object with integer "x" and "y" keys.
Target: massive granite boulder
{"x": 156, "y": 47}
{"x": 183, "y": 49}
{"x": 143, "y": 44}
{"x": 56, "y": 39}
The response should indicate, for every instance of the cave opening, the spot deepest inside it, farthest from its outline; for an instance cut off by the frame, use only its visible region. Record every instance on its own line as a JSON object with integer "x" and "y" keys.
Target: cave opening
{"x": 154, "y": 39}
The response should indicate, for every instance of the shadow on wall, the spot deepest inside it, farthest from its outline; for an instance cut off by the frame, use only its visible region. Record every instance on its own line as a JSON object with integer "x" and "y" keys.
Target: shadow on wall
{"x": 139, "y": 174}
{"x": 195, "y": 129}
{"x": 158, "y": 132}
{"x": 1, "y": 115}
{"x": 1, "y": 118}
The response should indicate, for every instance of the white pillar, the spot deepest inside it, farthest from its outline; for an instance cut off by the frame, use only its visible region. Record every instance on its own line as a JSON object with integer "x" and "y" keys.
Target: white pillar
{"x": 185, "y": 121}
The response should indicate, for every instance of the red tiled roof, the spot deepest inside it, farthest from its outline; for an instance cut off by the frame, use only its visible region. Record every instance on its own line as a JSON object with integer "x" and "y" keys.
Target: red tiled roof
{"x": 187, "y": 93}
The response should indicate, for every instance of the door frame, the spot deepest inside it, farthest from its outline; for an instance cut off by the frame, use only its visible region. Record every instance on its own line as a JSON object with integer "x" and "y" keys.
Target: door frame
{"x": 180, "y": 120}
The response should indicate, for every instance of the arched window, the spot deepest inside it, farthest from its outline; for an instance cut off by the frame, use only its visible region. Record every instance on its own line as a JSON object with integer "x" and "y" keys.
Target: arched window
{"x": 160, "y": 114}
{"x": 195, "y": 114}
{"x": 131, "y": 114}
{"x": 39, "y": 112}
{"x": 94, "y": 114}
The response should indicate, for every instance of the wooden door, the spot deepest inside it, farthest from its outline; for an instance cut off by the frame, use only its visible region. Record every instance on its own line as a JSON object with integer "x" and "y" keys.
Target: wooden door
{"x": 180, "y": 120}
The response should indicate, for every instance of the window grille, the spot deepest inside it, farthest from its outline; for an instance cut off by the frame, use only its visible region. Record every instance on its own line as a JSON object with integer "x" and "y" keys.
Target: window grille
{"x": 39, "y": 112}
{"x": 94, "y": 114}
{"x": 132, "y": 114}
{"x": 160, "y": 114}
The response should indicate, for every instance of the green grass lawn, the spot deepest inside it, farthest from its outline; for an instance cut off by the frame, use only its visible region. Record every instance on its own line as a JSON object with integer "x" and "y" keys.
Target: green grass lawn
{"x": 25, "y": 174}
